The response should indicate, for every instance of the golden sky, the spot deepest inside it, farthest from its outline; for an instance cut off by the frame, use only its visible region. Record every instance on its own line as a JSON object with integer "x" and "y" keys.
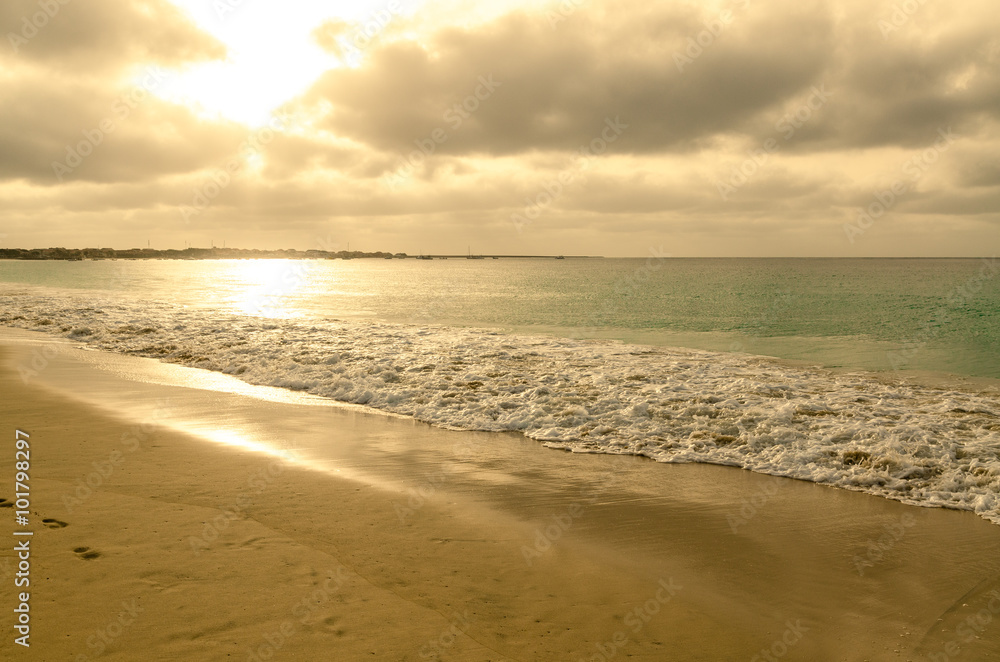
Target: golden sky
{"x": 751, "y": 127}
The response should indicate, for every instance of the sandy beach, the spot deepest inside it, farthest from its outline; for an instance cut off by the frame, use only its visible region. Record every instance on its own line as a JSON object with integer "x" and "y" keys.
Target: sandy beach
{"x": 176, "y": 520}
{"x": 520, "y": 331}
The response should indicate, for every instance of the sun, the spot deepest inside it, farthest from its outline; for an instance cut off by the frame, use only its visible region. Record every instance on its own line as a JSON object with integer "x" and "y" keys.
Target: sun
{"x": 272, "y": 55}
{"x": 267, "y": 288}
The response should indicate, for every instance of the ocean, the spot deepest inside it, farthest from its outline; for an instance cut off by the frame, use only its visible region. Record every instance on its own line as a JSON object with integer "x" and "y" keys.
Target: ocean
{"x": 806, "y": 368}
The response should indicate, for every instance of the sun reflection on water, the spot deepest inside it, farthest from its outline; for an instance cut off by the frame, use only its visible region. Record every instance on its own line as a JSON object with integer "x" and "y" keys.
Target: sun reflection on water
{"x": 269, "y": 288}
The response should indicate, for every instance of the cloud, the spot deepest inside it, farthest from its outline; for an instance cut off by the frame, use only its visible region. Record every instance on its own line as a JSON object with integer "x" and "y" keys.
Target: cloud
{"x": 81, "y": 79}
{"x": 555, "y": 90}
{"x": 476, "y": 113}
{"x": 103, "y": 133}
{"x": 900, "y": 92}
{"x": 330, "y": 34}
{"x": 95, "y": 36}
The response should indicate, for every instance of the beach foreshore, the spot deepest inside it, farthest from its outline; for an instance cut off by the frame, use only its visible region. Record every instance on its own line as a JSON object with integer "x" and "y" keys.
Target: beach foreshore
{"x": 182, "y": 516}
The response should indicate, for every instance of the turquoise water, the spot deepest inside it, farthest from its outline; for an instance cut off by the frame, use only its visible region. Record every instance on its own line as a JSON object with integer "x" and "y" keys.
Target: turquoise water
{"x": 875, "y": 314}
{"x": 520, "y": 345}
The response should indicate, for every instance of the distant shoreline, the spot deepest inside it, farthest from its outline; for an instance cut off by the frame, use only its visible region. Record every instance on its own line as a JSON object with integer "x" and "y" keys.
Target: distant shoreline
{"x": 80, "y": 254}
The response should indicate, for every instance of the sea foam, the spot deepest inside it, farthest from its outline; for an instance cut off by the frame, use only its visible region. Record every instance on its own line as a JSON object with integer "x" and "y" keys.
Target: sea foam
{"x": 918, "y": 444}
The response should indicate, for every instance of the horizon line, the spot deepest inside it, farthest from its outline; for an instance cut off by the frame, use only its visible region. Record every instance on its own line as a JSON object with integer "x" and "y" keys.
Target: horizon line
{"x": 509, "y": 255}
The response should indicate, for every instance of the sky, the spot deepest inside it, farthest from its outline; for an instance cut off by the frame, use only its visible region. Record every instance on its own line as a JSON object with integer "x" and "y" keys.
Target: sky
{"x": 740, "y": 128}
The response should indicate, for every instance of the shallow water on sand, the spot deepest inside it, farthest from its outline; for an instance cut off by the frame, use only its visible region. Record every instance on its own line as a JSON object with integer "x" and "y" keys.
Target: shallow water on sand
{"x": 753, "y": 552}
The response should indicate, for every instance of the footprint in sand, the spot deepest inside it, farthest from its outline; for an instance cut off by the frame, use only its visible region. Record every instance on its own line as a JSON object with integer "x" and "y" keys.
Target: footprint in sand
{"x": 54, "y": 523}
{"x": 331, "y": 624}
{"x": 86, "y": 553}
{"x": 6, "y": 504}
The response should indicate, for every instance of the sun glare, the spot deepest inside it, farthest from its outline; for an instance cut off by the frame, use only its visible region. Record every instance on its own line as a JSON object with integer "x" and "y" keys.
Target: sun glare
{"x": 272, "y": 56}
{"x": 265, "y": 286}
{"x": 273, "y": 53}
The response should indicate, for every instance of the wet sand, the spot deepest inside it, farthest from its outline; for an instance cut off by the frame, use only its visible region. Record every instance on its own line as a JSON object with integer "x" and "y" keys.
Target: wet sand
{"x": 223, "y": 521}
